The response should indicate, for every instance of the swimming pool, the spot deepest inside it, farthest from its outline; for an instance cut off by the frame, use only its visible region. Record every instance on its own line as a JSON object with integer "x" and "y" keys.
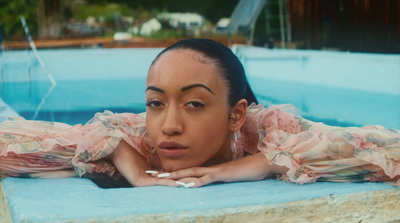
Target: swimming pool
{"x": 337, "y": 88}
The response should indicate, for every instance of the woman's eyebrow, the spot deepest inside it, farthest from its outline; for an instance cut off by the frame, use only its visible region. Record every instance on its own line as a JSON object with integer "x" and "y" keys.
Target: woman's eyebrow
{"x": 196, "y": 85}
{"x": 154, "y": 89}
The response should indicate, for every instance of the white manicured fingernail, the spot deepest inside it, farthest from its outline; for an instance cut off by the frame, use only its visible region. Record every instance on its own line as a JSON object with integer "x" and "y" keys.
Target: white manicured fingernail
{"x": 163, "y": 175}
{"x": 151, "y": 171}
{"x": 191, "y": 184}
{"x": 180, "y": 183}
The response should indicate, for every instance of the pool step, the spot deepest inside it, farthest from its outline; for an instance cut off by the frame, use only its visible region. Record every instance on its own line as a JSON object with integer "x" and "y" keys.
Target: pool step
{"x": 6, "y": 111}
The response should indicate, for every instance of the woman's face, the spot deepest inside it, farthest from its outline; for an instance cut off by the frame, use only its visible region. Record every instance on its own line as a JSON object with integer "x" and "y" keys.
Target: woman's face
{"x": 187, "y": 113}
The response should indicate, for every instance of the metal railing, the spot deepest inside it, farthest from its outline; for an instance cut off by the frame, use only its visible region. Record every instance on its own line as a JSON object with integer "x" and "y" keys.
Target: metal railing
{"x": 39, "y": 59}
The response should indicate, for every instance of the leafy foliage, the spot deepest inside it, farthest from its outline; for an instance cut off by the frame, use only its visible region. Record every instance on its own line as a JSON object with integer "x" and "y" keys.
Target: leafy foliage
{"x": 10, "y": 12}
{"x": 79, "y": 10}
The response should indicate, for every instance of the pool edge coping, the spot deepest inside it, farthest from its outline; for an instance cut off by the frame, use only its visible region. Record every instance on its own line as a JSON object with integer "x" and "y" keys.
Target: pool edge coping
{"x": 369, "y": 206}
{"x": 5, "y": 214}
{"x": 340, "y": 208}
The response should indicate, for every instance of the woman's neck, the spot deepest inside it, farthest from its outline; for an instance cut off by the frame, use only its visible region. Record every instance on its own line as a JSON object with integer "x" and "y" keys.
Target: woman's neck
{"x": 223, "y": 155}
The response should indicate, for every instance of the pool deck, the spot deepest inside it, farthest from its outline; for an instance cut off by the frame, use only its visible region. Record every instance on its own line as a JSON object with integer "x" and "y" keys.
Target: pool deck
{"x": 108, "y": 42}
{"x": 80, "y": 200}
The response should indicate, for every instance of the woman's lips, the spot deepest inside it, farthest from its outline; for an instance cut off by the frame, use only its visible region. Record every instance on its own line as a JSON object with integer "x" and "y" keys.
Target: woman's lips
{"x": 172, "y": 149}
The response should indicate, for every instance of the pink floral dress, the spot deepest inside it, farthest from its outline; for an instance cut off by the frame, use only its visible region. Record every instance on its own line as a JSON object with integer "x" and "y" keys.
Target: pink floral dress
{"x": 311, "y": 151}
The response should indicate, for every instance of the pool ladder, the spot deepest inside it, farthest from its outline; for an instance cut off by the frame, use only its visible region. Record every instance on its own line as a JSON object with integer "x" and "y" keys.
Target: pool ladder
{"x": 39, "y": 59}
{"x": 5, "y": 59}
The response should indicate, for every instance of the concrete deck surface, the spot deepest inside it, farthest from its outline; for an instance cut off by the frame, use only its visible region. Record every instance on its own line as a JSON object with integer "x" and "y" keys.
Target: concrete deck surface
{"x": 80, "y": 200}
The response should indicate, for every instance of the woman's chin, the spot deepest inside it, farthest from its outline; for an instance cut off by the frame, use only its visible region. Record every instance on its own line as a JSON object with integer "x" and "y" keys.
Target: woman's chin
{"x": 170, "y": 166}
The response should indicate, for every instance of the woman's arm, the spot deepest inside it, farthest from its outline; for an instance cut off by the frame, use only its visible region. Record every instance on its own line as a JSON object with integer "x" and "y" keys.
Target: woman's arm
{"x": 116, "y": 138}
{"x": 132, "y": 166}
{"x": 250, "y": 168}
{"x": 302, "y": 151}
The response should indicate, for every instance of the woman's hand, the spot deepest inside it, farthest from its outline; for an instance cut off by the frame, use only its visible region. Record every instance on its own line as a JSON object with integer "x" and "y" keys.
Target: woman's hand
{"x": 251, "y": 168}
{"x": 133, "y": 167}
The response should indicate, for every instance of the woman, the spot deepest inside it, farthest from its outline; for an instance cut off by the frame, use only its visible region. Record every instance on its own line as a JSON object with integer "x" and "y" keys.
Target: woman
{"x": 198, "y": 129}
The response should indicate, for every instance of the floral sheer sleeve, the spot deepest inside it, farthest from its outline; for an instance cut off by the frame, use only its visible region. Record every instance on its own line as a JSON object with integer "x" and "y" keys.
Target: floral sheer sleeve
{"x": 37, "y": 148}
{"x": 103, "y": 134}
{"x": 43, "y": 149}
{"x": 315, "y": 151}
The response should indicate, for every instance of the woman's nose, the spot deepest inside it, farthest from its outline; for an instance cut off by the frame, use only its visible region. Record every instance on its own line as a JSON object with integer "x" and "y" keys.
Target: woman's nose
{"x": 172, "y": 122}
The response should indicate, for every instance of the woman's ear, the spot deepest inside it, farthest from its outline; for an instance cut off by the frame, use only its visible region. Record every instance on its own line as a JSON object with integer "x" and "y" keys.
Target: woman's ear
{"x": 238, "y": 115}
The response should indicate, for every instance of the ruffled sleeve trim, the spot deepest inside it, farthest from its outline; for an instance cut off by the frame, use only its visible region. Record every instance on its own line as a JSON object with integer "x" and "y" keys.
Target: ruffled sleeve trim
{"x": 314, "y": 151}
{"x": 103, "y": 134}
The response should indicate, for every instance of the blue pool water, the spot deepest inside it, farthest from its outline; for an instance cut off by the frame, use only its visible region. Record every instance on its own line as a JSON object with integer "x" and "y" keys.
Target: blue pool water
{"x": 88, "y": 81}
{"x": 337, "y": 88}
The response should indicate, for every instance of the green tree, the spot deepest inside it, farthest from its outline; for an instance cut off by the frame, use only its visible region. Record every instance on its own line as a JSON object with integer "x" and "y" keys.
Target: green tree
{"x": 10, "y": 12}
{"x": 211, "y": 9}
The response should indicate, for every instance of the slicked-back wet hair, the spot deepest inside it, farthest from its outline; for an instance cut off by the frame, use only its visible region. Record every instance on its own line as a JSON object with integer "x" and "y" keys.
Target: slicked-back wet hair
{"x": 230, "y": 67}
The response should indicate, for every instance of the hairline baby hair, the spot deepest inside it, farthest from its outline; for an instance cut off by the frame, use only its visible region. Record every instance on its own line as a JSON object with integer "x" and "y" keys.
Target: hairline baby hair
{"x": 227, "y": 62}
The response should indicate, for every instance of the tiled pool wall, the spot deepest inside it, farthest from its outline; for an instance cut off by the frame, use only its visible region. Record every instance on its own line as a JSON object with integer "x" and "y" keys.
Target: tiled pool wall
{"x": 337, "y": 88}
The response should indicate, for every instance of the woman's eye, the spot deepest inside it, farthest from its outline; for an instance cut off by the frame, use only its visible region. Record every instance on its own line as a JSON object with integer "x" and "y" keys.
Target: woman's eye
{"x": 195, "y": 104}
{"x": 154, "y": 104}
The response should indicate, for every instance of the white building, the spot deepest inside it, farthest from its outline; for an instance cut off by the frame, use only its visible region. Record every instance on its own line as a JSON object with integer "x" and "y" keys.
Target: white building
{"x": 150, "y": 26}
{"x": 186, "y": 20}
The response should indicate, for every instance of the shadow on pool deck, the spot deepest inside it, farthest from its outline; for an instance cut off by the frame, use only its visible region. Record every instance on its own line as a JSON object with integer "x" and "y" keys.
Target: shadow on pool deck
{"x": 79, "y": 200}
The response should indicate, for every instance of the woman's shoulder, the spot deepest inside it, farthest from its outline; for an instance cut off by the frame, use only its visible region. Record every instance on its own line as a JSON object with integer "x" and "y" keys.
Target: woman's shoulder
{"x": 109, "y": 115}
{"x": 274, "y": 117}
{"x": 123, "y": 121}
{"x": 259, "y": 109}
